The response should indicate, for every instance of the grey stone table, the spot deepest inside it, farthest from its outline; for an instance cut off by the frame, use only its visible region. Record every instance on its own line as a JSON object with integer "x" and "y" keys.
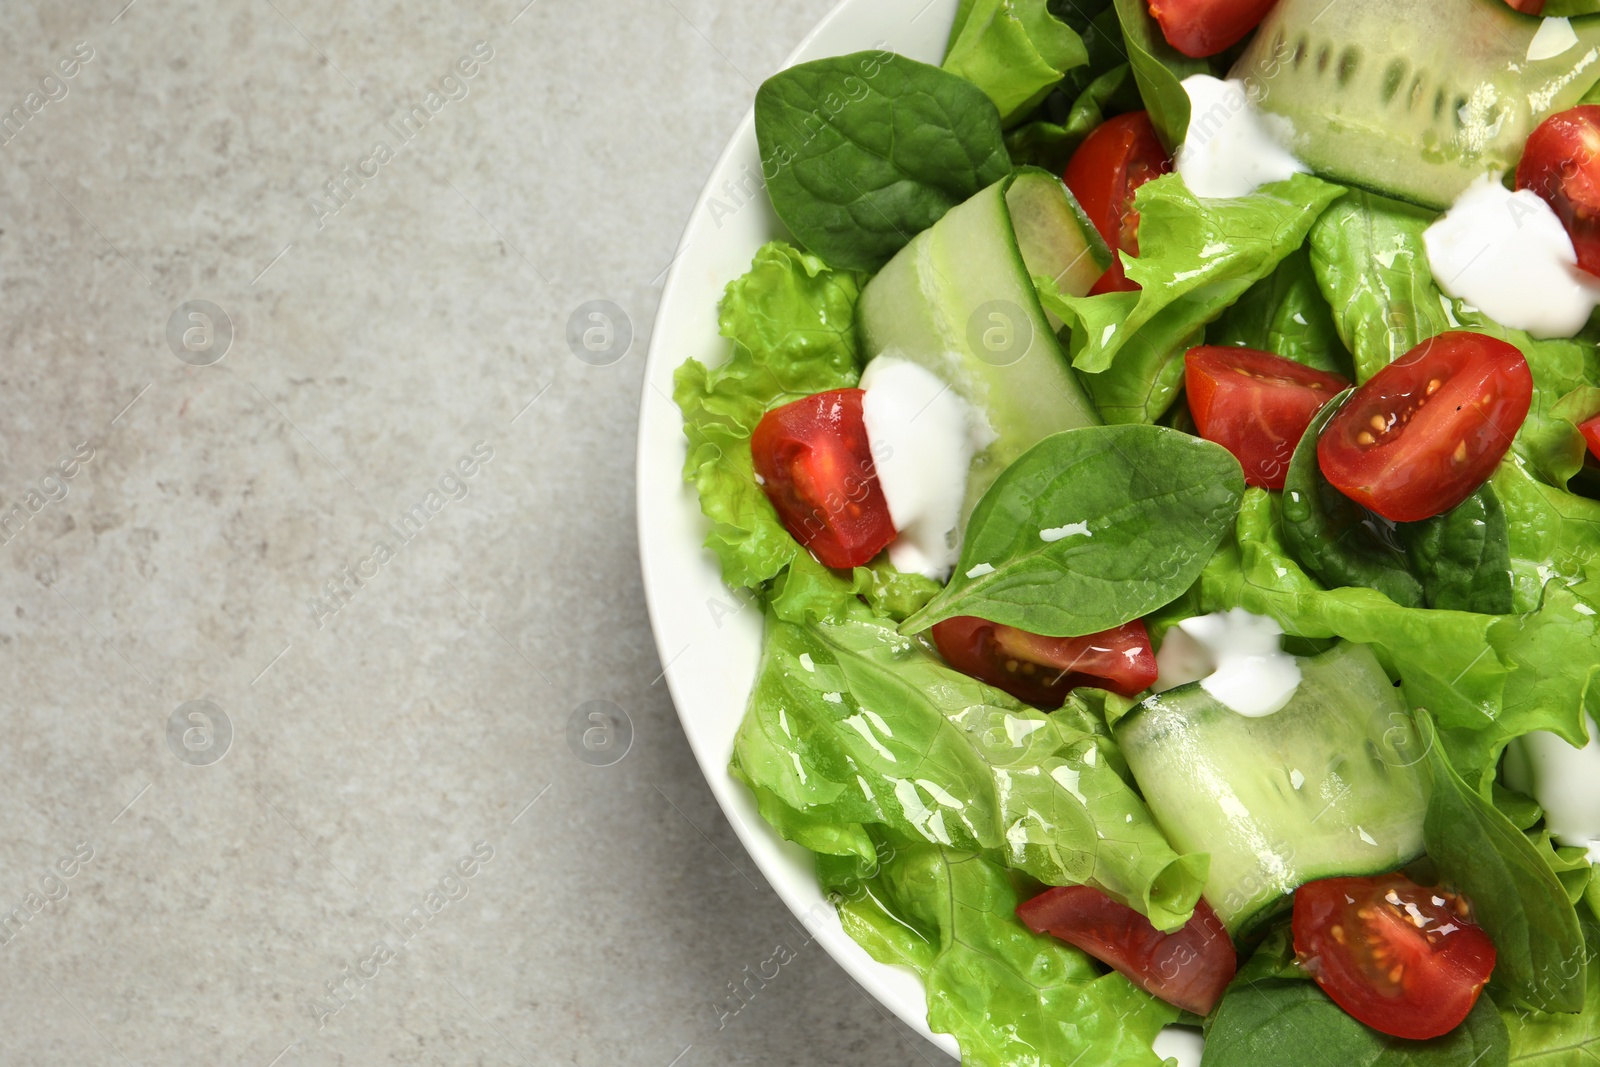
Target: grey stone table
{"x": 297, "y": 469}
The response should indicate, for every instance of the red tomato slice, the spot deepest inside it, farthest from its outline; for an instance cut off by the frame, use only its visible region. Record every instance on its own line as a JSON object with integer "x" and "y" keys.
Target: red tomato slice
{"x": 1562, "y": 164}
{"x": 1255, "y": 404}
{"x": 1404, "y": 959}
{"x": 1591, "y": 434}
{"x": 1043, "y": 670}
{"x": 1424, "y": 432}
{"x": 1527, "y": 7}
{"x": 1189, "y": 967}
{"x": 1116, "y": 158}
{"x": 1200, "y": 28}
{"x": 814, "y": 461}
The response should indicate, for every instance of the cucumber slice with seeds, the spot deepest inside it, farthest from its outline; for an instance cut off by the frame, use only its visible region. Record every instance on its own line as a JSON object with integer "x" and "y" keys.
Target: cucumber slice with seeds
{"x": 1413, "y": 98}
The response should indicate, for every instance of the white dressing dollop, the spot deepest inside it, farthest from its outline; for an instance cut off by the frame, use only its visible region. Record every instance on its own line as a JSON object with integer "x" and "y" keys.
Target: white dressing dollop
{"x": 1554, "y": 37}
{"x": 1231, "y": 149}
{"x": 923, "y": 437}
{"x": 1236, "y": 656}
{"x": 1508, "y": 255}
{"x": 1564, "y": 780}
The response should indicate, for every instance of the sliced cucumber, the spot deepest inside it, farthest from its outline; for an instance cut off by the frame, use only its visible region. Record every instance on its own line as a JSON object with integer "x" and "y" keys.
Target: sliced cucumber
{"x": 1328, "y": 786}
{"x": 959, "y": 299}
{"x": 1414, "y": 98}
{"x": 1055, "y": 237}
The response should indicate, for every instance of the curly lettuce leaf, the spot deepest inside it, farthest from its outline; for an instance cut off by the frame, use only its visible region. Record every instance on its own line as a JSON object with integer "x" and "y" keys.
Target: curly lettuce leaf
{"x": 1196, "y": 258}
{"x": 853, "y": 729}
{"x": 1009, "y": 996}
{"x": 1554, "y": 535}
{"x": 792, "y": 323}
{"x": 1445, "y": 658}
{"x": 1371, "y": 263}
{"x": 1014, "y": 50}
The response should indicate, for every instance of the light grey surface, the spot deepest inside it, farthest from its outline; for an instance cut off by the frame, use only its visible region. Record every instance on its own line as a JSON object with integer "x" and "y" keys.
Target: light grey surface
{"x": 380, "y": 739}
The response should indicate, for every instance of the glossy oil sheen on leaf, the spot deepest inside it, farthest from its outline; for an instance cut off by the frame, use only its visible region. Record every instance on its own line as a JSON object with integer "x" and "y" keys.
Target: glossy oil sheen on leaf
{"x": 1090, "y": 529}
{"x": 1009, "y": 996}
{"x": 863, "y": 152}
{"x": 854, "y": 730}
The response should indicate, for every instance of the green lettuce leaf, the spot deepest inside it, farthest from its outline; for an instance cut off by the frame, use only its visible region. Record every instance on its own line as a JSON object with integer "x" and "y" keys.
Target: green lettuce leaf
{"x": 792, "y": 324}
{"x": 1554, "y": 535}
{"x": 1196, "y": 257}
{"x": 1372, "y": 266}
{"x": 854, "y": 729}
{"x": 1014, "y": 50}
{"x": 1008, "y": 995}
{"x": 1445, "y": 659}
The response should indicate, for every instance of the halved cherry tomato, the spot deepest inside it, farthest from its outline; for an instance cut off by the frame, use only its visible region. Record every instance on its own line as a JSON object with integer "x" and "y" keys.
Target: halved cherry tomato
{"x": 1402, "y": 958}
{"x": 1562, "y": 164}
{"x": 1527, "y": 7}
{"x": 1424, "y": 432}
{"x": 1043, "y": 670}
{"x": 814, "y": 461}
{"x": 1189, "y": 967}
{"x": 1116, "y": 158}
{"x": 1201, "y": 28}
{"x": 1255, "y": 404}
{"x": 1591, "y": 434}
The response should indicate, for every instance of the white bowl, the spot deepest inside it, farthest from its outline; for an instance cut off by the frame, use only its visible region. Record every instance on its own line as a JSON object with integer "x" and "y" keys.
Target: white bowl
{"x": 709, "y": 643}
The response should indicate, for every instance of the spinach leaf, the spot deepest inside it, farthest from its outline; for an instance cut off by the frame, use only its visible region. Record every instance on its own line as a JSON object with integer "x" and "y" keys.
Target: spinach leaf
{"x": 1014, "y": 50}
{"x": 1159, "y": 69}
{"x": 1285, "y": 313}
{"x": 1049, "y": 144}
{"x": 1515, "y": 895}
{"x": 1463, "y": 557}
{"x": 863, "y": 152}
{"x": 1276, "y": 1020}
{"x": 854, "y": 730}
{"x": 1336, "y": 539}
{"x": 1090, "y": 529}
{"x": 1446, "y": 660}
{"x": 1457, "y": 561}
{"x": 1009, "y": 996}
{"x": 1550, "y": 1039}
